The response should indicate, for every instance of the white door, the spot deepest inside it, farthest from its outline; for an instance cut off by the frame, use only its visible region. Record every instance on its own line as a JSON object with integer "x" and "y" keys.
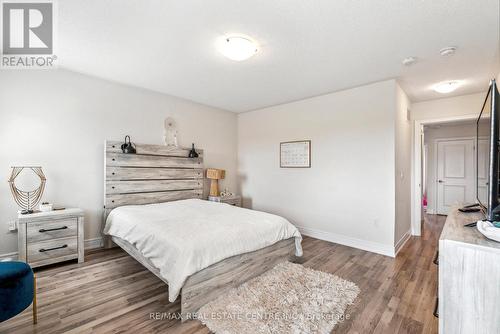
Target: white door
{"x": 482, "y": 170}
{"x": 455, "y": 174}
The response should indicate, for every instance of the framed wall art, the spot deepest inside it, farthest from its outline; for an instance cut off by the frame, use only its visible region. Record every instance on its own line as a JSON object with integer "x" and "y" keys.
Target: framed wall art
{"x": 295, "y": 154}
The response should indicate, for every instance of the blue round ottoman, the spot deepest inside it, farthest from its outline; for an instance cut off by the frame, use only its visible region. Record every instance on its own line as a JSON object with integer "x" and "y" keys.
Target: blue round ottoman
{"x": 16, "y": 288}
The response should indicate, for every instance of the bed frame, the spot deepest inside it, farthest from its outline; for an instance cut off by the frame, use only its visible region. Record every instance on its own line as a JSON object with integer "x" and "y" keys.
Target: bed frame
{"x": 159, "y": 174}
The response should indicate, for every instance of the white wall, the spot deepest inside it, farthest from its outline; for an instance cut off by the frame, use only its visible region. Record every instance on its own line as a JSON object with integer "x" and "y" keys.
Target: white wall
{"x": 59, "y": 120}
{"x": 348, "y": 195}
{"x": 430, "y": 136}
{"x": 403, "y": 168}
{"x": 464, "y": 105}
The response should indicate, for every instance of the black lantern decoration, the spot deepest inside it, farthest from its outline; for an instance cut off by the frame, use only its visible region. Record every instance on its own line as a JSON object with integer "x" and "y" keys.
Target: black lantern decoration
{"x": 129, "y": 147}
{"x": 192, "y": 153}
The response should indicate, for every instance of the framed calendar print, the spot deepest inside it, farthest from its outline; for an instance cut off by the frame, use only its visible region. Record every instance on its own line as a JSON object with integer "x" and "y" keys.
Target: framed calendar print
{"x": 295, "y": 154}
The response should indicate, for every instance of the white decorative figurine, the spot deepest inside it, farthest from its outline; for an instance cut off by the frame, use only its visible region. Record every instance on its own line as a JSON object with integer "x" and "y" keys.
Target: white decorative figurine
{"x": 226, "y": 193}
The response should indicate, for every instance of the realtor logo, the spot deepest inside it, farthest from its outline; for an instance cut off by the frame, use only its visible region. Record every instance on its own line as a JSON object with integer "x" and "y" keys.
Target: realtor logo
{"x": 27, "y": 29}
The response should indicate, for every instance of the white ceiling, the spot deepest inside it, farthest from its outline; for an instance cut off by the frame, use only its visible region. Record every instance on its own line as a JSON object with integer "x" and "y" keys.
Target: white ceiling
{"x": 307, "y": 47}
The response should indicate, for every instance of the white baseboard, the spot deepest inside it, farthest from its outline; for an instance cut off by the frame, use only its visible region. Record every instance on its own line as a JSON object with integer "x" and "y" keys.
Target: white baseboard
{"x": 88, "y": 244}
{"x": 366, "y": 245}
{"x": 94, "y": 243}
{"x": 402, "y": 241}
{"x": 8, "y": 256}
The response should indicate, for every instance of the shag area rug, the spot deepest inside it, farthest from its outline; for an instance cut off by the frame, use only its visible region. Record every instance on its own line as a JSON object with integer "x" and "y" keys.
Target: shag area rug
{"x": 287, "y": 299}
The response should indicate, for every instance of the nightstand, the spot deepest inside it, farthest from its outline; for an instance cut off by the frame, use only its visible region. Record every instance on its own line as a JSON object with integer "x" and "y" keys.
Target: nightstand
{"x": 231, "y": 200}
{"x": 50, "y": 237}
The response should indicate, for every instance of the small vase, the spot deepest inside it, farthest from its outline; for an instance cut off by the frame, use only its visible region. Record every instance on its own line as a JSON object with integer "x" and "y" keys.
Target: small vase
{"x": 192, "y": 153}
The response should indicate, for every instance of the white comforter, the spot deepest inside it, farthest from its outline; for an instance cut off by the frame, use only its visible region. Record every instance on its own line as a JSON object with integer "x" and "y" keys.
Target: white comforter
{"x": 182, "y": 237}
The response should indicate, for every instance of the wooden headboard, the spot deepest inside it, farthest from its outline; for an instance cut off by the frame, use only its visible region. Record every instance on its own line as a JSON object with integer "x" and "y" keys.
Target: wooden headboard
{"x": 155, "y": 174}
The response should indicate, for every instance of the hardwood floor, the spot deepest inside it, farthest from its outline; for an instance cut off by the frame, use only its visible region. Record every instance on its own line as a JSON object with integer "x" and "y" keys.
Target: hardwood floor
{"x": 111, "y": 292}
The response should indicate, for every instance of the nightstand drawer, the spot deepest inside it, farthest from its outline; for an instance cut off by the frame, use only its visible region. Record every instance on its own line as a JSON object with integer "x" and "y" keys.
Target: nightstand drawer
{"x": 55, "y": 229}
{"x": 235, "y": 202}
{"x": 231, "y": 200}
{"x": 51, "y": 251}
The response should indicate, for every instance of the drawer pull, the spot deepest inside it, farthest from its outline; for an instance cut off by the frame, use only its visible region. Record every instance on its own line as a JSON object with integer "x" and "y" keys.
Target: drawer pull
{"x": 52, "y": 229}
{"x": 54, "y": 248}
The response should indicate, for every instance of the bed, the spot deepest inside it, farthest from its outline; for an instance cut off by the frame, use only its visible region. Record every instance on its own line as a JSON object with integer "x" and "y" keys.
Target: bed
{"x": 154, "y": 211}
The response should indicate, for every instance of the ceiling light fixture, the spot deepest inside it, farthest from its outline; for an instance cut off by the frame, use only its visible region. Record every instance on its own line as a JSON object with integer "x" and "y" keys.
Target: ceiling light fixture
{"x": 448, "y": 51}
{"x": 408, "y": 61}
{"x": 447, "y": 86}
{"x": 237, "y": 48}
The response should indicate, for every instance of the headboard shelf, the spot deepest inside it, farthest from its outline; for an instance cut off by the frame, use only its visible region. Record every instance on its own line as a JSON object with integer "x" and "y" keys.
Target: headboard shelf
{"x": 155, "y": 174}
{"x": 148, "y": 149}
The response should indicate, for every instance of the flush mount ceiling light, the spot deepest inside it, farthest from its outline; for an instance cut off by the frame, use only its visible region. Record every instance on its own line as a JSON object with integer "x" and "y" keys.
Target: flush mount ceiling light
{"x": 237, "y": 48}
{"x": 408, "y": 61}
{"x": 448, "y": 51}
{"x": 447, "y": 86}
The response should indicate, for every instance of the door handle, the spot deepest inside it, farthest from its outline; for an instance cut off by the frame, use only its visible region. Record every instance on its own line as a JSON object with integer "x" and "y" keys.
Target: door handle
{"x": 440, "y": 181}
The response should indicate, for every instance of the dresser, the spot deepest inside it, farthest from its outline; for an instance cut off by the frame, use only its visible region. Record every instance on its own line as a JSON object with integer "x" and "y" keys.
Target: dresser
{"x": 469, "y": 278}
{"x": 50, "y": 237}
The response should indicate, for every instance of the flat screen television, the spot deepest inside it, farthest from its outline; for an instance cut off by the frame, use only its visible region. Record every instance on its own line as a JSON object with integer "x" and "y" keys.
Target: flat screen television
{"x": 487, "y": 155}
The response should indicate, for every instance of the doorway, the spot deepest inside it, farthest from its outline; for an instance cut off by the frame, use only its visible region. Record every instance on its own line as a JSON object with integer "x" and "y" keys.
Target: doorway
{"x": 419, "y": 193}
{"x": 449, "y": 165}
